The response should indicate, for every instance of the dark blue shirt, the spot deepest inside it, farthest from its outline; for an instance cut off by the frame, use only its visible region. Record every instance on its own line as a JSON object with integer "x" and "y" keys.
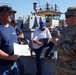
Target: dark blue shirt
{"x": 18, "y": 32}
{"x": 7, "y": 38}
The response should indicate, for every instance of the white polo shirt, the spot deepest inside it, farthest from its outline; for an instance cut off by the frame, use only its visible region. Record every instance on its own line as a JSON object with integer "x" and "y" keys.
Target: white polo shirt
{"x": 38, "y": 34}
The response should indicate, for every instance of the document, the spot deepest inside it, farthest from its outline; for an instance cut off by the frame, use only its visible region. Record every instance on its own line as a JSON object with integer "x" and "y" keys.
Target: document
{"x": 21, "y": 50}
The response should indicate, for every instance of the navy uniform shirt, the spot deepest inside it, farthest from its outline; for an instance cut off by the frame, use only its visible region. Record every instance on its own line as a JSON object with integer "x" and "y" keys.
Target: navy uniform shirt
{"x": 7, "y": 38}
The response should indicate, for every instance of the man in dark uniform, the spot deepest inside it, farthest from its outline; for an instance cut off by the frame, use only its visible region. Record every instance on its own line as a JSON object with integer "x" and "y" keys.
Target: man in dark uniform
{"x": 7, "y": 38}
{"x": 66, "y": 64}
{"x": 19, "y": 32}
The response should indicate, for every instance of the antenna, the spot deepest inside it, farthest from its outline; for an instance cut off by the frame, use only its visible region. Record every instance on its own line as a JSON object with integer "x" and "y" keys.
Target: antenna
{"x": 39, "y": 3}
{"x": 47, "y": 1}
{"x": 47, "y": 5}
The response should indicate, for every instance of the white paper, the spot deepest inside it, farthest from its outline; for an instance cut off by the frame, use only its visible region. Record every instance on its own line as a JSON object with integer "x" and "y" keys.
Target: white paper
{"x": 21, "y": 50}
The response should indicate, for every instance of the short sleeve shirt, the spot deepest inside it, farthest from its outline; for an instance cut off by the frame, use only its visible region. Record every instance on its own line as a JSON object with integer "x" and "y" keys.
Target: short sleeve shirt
{"x": 38, "y": 34}
{"x": 18, "y": 31}
{"x": 7, "y": 38}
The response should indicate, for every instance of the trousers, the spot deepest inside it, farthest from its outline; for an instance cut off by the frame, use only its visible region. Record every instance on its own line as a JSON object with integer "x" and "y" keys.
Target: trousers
{"x": 9, "y": 70}
{"x": 38, "y": 52}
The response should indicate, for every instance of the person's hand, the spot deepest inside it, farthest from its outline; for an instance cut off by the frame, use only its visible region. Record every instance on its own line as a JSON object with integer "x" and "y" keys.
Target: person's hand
{"x": 39, "y": 43}
{"x": 14, "y": 57}
{"x": 49, "y": 40}
{"x": 54, "y": 41}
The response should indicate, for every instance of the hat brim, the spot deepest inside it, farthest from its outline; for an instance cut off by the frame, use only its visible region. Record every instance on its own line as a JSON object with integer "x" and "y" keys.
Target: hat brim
{"x": 12, "y": 11}
{"x": 43, "y": 27}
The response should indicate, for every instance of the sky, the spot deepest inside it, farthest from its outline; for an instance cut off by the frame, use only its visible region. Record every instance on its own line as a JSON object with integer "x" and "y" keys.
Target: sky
{"x": 24, "y": 7}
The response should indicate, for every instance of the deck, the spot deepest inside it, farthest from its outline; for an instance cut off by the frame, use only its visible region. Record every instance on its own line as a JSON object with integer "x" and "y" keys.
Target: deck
{"x": 29, "y": 62}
